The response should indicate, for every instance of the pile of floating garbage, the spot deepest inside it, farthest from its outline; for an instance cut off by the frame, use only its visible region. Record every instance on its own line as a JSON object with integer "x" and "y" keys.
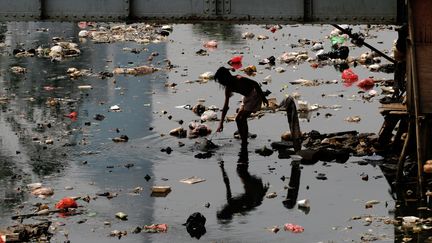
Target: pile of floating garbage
{"x": 140, "y": 33}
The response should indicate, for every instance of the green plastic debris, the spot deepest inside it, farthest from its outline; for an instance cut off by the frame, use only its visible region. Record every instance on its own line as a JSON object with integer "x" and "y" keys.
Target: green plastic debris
{"x": 337, "y": 40}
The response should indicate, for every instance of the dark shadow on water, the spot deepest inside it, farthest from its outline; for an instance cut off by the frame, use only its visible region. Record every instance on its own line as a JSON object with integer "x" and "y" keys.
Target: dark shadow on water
{"x": 254, "y": 191}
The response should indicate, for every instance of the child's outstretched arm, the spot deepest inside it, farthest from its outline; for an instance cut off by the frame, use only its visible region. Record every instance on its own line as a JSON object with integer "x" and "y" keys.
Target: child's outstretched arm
{"x": 224, "y": 109}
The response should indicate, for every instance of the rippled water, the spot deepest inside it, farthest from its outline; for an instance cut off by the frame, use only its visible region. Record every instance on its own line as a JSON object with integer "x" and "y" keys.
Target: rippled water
{"x": 96, "y": 164}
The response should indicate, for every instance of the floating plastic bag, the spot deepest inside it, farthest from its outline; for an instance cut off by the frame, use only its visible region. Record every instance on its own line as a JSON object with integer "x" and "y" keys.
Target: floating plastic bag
{"x": 43, "y": 192}
{"x": 198, "y": 130}
{"x": 236, "y": 62}
{"x": 195, "y": 225}
{"x": 211, "y": 44}
{"x": 208, "y": 116}
{"x": 66, "y": 203}
{"x": 349, "y": 76}
{"x": 366, "y": 84}
{"x": 235, "y": 59}
{"x": 206, "y": 76}
{"x": 337, "y": 40}
{"x": 341, "y": 53}
{"x": 250, "y": 70}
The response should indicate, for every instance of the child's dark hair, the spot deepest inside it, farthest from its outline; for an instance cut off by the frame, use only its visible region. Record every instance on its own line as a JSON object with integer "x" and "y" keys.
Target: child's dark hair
{"x": 223, "y": 76}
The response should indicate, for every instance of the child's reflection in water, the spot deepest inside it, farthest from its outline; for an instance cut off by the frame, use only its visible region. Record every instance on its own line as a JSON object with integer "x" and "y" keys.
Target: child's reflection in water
{"x": 254, "y": 190}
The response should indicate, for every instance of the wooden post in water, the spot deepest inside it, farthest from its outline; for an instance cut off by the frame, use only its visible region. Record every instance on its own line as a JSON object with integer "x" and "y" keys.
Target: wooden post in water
{"x": 419, "y": 75}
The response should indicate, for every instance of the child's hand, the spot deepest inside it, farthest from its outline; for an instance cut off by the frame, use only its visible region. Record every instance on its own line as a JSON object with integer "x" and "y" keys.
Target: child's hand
{"x": 220, "y": 128}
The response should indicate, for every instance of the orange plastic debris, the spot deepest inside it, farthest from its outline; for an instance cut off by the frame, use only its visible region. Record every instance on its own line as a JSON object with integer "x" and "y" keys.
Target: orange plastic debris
{"x": 66, "y": 203}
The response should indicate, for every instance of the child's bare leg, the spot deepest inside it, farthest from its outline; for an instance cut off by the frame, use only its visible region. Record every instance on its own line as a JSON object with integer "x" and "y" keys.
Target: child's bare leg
{"x": 241, "y": 120}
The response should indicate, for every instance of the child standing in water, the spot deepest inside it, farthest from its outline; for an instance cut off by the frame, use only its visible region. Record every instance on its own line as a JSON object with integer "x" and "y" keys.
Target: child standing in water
{"x": 253, "y": 97}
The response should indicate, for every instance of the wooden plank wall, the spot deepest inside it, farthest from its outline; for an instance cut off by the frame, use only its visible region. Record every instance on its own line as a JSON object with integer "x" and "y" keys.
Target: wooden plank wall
{"x": 422, "y": 14}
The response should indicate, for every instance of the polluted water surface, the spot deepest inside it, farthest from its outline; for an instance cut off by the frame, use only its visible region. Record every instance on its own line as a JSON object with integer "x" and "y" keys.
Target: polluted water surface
{"x": 118, "y": 122}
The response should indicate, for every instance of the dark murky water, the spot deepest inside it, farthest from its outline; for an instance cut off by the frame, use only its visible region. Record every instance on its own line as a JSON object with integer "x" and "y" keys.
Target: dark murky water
{"x": 95, "y": 164}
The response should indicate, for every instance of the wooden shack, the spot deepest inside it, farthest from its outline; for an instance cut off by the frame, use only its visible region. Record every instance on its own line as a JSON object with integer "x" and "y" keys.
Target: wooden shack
{"x": 419, "y": 84}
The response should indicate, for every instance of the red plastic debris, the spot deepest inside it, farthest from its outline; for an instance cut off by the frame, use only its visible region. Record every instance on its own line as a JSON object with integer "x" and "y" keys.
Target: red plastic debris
{"x": 235, "y": 59}
{"x": 236, "y": 62}
{"x": 293, "y": 228}
{"x": 349, "y": 76}
{"x": 366, "y": 84}
{"x": 66, "y": 203}
{"x": 73, "y": 115}
{"x": 156, "y": 228}
{"x": 273, "y": 29}
{"x": 314, "y": 65}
